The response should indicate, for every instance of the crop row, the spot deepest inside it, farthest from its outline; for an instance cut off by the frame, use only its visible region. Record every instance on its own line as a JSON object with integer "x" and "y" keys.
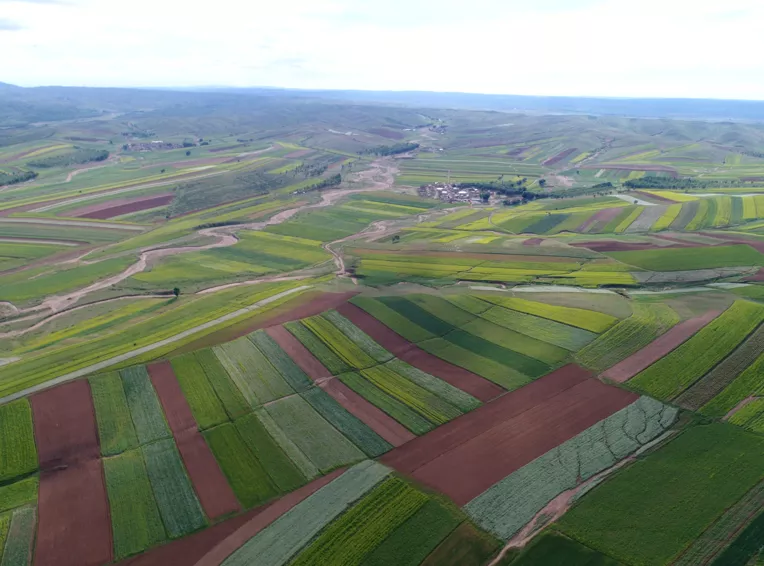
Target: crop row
{"x": 286, "y": 536}
{"x": 673, "y": 373}
{"x": 716, "y": 380}
{"x": 712, "y": 541}
{"x": 659, "y": 489}
{"x": 647, "y": 322}
{"x": 507, "y": 506}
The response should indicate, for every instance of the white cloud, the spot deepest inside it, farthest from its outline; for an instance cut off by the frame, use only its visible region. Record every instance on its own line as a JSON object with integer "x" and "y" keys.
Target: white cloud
{"x": 695, "y": 48}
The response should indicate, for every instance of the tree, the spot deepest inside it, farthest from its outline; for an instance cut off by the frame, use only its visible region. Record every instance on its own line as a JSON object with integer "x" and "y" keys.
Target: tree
{"x": 542, "y": 182}
{"x": 396, "y": 239}
{"x": 485, "y": 196}
{"x": 176, "y": 291}
{"x": 162, "y": 171}
{"x": 188, "y": 153}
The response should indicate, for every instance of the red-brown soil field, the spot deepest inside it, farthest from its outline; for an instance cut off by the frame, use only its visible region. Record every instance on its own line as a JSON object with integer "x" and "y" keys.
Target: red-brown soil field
{"x": 658, "y": 348}
{"x": 118, "y": 207}
{"x": 71, "y": 481}
{"x": 465, "y": 457}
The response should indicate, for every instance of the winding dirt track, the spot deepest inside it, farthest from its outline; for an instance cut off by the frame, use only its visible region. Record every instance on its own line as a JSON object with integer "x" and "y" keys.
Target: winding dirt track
{"x": 381, "y": 175}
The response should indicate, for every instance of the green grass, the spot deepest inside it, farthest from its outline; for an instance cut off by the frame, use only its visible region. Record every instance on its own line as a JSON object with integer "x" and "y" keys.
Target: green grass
{"x": 501, "y": 336}
{"x": 552, "y": 547}
{"x": 136, "y": 523}
{"x": 465, "y": 546}
{"x": 681, "y": 259}
{"x": 338, "y": 342}
{"x": 676, "y": 371}
{"x": 19, "y": 288}
{"x": 427, "y": 404}
{"x": 748, "y": 383}
{"x": 549, "y": 331}
{"x": 253, "y": 374}
{"x": 294, "y": 530}
{"x": 324, "y": 445}
{"x": 247, "y": 477}
{"x": 671, "y": 496}
{"x": 648, "y": 321}
{"x": 289, "y": 370}
{"x": 401, "y": 412}
{"x": 282, "y": 471}
{"x": 230, "y": 397}
{"x": 452, "y": 395}
{"x": 180, "y": 508}
{"x": 18, "y": 544}
{"x": 358, "y": 432}
{"x": 361, "y": 339}
{"x": 521, "y": 363}
{"x": 411, "y": 542}
{"x": 321, "y": 351}
{"x": 116, "y": 432}
{"x": 145, "y": 408}
{"x": 19, "y": 493}
{"x": 198, "y": 391}
{"x": 17, "y": 444}
{"x": 360, "y": 530}
{"x": 417, "y": 315}
{"x": 5, "y": 525}
{"x": 393, "y": 319}
{"x": 592, "y": 321}
{"x": 465, "y": 357}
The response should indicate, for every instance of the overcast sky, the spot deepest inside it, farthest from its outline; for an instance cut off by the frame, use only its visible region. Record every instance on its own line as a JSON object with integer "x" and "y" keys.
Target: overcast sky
{"x": 663, "y": 48}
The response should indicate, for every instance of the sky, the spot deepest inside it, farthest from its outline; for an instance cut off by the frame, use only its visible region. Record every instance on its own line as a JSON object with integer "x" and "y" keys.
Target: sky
{"x": 650, "y": 48}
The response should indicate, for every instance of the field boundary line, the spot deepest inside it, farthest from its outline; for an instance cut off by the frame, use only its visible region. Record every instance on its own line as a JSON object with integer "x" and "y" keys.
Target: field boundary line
{"x": 145, "y": 349}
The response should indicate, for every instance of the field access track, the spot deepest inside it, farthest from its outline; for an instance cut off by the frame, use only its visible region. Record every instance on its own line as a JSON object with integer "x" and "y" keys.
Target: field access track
{"x": 466, "y": 456}
{"x": 71, "y": 480}
{"x": 215, "y": 494}
{"x": 379, "y": 421}
{"x": 471, "y": 383}
{"x": 659, "y": 347}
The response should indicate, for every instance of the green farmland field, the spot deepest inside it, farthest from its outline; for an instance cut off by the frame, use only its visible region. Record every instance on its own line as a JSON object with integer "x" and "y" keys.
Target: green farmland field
{"x": 17, "y": 442}
{"x": 681, "y": 259}
{"x": 672, "y": 495}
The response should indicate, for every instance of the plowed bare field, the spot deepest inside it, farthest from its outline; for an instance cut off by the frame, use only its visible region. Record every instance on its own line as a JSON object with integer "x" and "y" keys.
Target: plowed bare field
{"x": 118, "y": 207}
{"x": 64, "y": 425}
{"x": 215, "y": 494}
{"x": 601, "y": 216}
{"x": 74, "y": 527}
{"x": 658, "y": 348}
{"x": 478, "y": 387}
{"x": 465, "y": 457}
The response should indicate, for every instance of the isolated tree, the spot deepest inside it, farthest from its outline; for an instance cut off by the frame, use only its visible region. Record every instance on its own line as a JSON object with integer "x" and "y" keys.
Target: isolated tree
{"x": 176, "y": 291}
{"x": 485, "y": 196}
{"x": 542, "y": 182}
{"x": 188, "y": 153}
{"x": 162, "y": 171}
{"x": 396, "y": 239}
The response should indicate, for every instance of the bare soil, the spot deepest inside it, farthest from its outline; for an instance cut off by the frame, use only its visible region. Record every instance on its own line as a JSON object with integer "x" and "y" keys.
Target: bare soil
{"x": 74, "y": 527}
{"x": 473, "y": 452}
{"x": 117, "y": 207}
{"x": 65, "y": 425}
